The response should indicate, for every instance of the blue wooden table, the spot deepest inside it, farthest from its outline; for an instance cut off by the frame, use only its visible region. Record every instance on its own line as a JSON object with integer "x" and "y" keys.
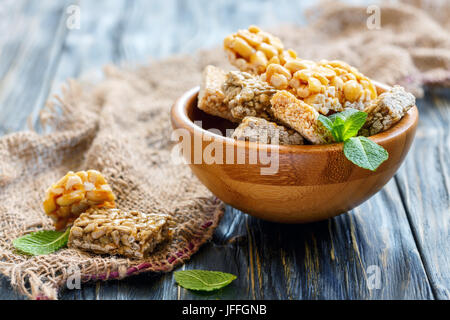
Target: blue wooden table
{"x": 395, "y": 246}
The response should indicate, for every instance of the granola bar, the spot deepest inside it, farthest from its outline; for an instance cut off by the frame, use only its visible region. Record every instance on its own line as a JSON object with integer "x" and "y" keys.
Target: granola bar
{"x": 247, "y": 95}
{"x": 299, "y": 116}
{"x": 211, "y": 97}
{"x": 74, "y": 193}
{"x": 387, "y": 110}
{"x": 263, "y": 131}
{"x": 118, "y": 232}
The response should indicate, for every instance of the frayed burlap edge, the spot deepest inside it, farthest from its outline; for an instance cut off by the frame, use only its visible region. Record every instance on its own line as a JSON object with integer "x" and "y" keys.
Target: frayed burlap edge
{"x": 37, "y": 289}
{"x": 121, "y": 127}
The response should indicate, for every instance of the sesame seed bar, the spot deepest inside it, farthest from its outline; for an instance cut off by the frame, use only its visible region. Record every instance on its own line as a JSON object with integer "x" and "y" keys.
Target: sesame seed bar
{"x": 299, "y": 116}
{"x": 117, "y": 232}
{"x": 74, "y": 193}
{"x": 260, "y": 130}
{"x": 247, "y": 95}
{"x": 387, "y": 110}
{"x": 211, "y": 97}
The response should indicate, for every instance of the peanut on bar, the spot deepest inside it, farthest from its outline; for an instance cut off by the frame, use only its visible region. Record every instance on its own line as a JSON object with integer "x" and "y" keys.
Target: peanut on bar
{"x": 247, "y": 95}
{"x": 325, "y": 85}
{"x": 211, "y": 97}
{"x": 118, "y": 232}
{"x": 387, "y": 110}
{"x": 252, "y": 50}
{"x": 299, "y": 116}
{"x": 75, "y": 193}
{"x": 263, "y": 131}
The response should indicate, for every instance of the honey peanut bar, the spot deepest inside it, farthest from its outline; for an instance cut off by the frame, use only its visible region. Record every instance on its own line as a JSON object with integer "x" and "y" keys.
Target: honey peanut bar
{"x": 299, "y": 116}
{"x": 117, "y": 232}
{"x": 74, "y": 193}
{"x": 263, "y": 131}
{"x": 247, "y": 95}
{"x": 325, "y": 85}
{"x": 252, "y": 50}
{"x": 387, "y": 110}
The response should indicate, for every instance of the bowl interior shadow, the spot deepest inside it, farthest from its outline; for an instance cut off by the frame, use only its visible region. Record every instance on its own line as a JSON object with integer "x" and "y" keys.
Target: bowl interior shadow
{"x": 207, "y": 121}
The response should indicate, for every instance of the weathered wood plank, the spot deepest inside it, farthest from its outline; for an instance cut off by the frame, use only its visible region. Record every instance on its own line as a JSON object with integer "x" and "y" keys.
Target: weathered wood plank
{"x": 424, "y": 183}
{"x": 230, "y": 251}
{"x": 31, "y": 35}
{"x": 327, "y": 260}
{"x": 7, "y": 292}
{"x": 156, "y": 29}
{"x": 95, "y": 44}
{"x": 333, "y": 259}
{"x": 32, "y": 52}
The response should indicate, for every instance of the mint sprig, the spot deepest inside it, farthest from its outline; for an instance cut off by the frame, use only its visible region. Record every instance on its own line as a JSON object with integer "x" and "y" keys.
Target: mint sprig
{"x": 344, "y": 127}
{"x": 42, "y": 242}
{"x": 365, "y": 153}
{"x": 203, "y": 280}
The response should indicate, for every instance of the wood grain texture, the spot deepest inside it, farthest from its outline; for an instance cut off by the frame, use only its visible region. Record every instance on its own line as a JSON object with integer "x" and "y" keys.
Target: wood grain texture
{"x": 29, "y": 55}
{"x": 31, "y": 36}
{"x": 306, "y": 183}
{"x": 424, "y": 183}
{"x": 403, "y": 229}
{"x": 315, "y": 261}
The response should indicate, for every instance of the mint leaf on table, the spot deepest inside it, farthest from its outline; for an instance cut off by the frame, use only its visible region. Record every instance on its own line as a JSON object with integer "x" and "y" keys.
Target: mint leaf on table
{"x": 203, "y": 280}
{"x": 344, "y": 127}
{"x": 365, "y": 153}
{"x": 41, "y": 242}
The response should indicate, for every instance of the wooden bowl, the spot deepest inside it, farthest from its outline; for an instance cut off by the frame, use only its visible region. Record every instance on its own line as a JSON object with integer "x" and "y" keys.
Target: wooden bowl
{"x": 312, "y": 183}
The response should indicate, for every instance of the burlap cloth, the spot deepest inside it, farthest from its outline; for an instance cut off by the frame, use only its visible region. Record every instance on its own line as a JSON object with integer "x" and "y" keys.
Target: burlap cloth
{"x": 121, "y": 127}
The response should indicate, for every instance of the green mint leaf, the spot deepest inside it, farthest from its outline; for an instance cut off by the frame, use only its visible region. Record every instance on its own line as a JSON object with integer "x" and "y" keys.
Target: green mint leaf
{"x": 353, "y": 123}
{"x": 42, "y": 242}
{"x": 344, "y": 115}
{"x": 333, "y": 117}
{"x": 338, "y": 128}
{"x": 365, "y": 153}
{"x": 327, "y": 123}
{"x": 345, "y": 124}
{"x": 202, "y": 280}
{"x": 347, "y": 113}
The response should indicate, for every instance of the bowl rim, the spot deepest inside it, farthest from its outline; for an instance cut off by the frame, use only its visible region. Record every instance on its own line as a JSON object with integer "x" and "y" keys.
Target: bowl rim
{"x": 179, "y": 116}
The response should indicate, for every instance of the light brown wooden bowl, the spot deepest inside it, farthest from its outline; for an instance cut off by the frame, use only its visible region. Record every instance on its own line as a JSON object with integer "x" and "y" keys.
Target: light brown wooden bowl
{"x": 313, "y": 182}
